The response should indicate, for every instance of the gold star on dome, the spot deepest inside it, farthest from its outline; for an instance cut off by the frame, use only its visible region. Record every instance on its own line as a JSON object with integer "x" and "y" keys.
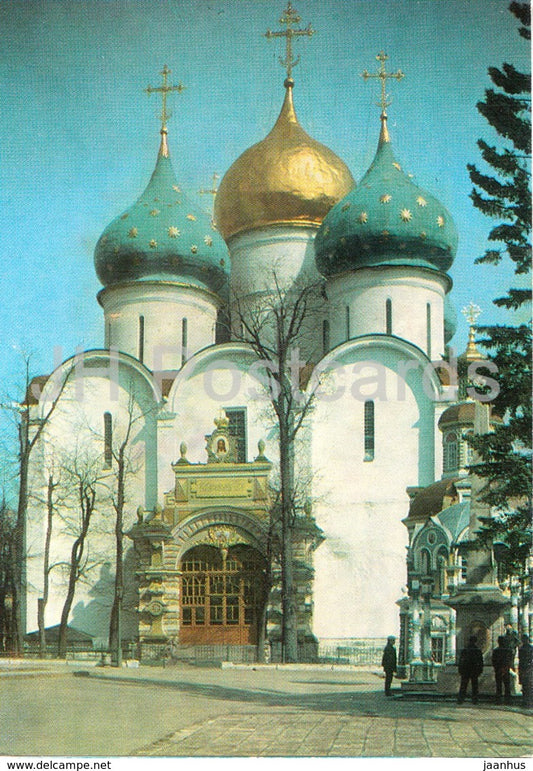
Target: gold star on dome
{"x": 385, "y": 233}
{"x": 406, "y": 215}
{"x": 153, "y": 244}
{"x": 397, "y": 166}
{"x": 208, "y": 240}
{"x": 177, "y": 188}
{"x": 440, "y": 221}
{"x": 191, "y": 217}
{"x": 154, "y": 212}
{"x": 423, "y": 234}
{"x": 194, "y": 248}
{"x": 326, "y": 230}
{"x": 173, "y": 232}
{"x": 363, "y": 217}
{"x": 124, "y": 216}
{"x": 133, "y": 232}
{"x": 346, "y": 206}
{"x": 385, "y": 198}
{"x": 421, "y": 201}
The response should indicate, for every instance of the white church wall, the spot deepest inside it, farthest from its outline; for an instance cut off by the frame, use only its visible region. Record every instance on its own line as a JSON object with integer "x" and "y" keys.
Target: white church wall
{"x": 73, "y": 445}
{"x": 282, "y": 256}
{"x": 365, "y": 293}
{"x": 360, "y": 503}
{"x": 284, "y": 251}
{"x": 163, "y": 307}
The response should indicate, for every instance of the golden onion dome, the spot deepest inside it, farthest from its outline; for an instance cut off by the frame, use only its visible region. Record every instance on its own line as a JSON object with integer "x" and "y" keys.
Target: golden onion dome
{"x": 286, "y": 178}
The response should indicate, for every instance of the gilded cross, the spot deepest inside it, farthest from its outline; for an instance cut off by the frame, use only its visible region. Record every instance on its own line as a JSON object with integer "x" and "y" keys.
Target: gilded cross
{"x": 383, "y": 75}
{"x": 212, "y": 191}
{"x": 164, "y": 90}
{"x": 289, "y": 18}
{"x": 471, "y": 313}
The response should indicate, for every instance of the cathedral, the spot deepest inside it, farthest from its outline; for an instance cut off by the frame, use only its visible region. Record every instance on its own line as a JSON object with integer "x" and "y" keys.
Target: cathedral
{"x": 177, "y": 393}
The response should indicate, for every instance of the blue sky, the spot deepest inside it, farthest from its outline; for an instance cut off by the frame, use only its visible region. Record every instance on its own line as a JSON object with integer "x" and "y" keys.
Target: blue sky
{"x": 79, "y": 137}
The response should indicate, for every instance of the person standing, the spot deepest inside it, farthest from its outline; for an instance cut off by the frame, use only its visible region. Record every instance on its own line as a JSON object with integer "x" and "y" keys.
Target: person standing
{"x": 525, "y": 671}
{"x": 502, "y": 662}
{"x": 389, "y": 663}
{"x": 512, "y": 638}
{"x": 470, "y": 668}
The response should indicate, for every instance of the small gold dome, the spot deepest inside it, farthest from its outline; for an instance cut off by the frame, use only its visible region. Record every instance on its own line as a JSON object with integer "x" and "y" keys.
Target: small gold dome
{"x": 288, "y": 177}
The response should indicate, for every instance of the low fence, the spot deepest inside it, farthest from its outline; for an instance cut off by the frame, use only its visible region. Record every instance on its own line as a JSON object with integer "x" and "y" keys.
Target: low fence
{"x": 360, "y": 652}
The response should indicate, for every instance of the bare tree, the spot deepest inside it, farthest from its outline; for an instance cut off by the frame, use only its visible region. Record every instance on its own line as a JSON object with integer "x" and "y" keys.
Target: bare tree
{"x": 125, "y": 465}
{"x": 29, "y": 431}
{"x": 275, "y": 324}
{"x": 83, "y": 476}
{"x": 7, "y": 527}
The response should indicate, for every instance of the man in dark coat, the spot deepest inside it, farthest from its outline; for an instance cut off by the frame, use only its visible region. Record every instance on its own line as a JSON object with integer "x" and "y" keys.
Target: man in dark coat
{"x": 389, "y": 663}
{"x": 502, "y": 662}
{"x": 470, "y": 668}
{"x": 525, "y": 670}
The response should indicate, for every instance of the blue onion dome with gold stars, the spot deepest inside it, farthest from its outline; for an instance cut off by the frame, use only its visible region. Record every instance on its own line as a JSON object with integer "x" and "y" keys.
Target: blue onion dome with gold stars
{"x": 386, "y": 220}
{"x": 163, "y": 236}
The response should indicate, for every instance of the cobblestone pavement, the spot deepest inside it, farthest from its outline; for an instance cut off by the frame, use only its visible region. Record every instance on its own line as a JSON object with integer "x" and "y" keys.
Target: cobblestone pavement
{"x": 188, "y": 711}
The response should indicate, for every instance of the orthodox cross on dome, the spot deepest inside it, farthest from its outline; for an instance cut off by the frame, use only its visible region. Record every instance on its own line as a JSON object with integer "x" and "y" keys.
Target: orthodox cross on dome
{"x": 383, "y": 75}
{"x": 289, "y": 18}
{"x": 471, "y": 313}
{"x": 211, "y": 191}
{"x": 164, "y": 90}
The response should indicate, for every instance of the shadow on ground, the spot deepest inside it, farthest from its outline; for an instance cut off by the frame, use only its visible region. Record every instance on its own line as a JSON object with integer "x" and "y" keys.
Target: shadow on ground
{"x": 358, "y": 702}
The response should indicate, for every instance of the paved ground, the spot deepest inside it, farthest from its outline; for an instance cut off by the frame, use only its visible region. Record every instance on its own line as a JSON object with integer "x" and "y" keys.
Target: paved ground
{"x": 191, "y": 711}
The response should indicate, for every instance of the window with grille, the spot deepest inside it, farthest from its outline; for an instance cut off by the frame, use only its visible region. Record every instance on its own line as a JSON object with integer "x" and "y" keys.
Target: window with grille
{"x": 451, "y": 451}
{"x": 369, "y": 430}
{"x": 141, "y": 339}
{"x": 108, "y": 439}
{"x": 388, "y": 317}
{"x": 237, "y": 430}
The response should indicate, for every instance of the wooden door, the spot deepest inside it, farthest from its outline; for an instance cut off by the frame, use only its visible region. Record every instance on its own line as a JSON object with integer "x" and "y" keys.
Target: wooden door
{"x": 221, "y": 596}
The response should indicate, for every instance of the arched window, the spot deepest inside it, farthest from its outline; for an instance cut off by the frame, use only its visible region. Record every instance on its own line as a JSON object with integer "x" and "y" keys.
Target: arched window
{"x": 469, "y": 450}
{"x": 441, "y": 583}
{"x": 108, "y": 440}
{"x": 221, "y": 327}
{"x": 141, "y": 339}
{"x": 450, "y": 451}
{"x": 388, "y": 317}
{"x": 428, "y": 329}
{"x": 348, "y": 331}
{"x": 325, "y": 336}
{"x": 425, "y": 562}
{"x": 183, "y": 341}
{"x": 369, "y": 419}
{"x": 464, "y": 566}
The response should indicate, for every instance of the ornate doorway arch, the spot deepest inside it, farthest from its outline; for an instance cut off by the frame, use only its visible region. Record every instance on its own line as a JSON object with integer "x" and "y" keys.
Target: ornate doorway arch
{"x": 221, "y": 595}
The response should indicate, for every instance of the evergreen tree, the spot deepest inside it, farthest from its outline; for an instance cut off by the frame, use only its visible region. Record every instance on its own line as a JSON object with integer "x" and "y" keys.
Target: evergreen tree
{"x": 504, "y": 193}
